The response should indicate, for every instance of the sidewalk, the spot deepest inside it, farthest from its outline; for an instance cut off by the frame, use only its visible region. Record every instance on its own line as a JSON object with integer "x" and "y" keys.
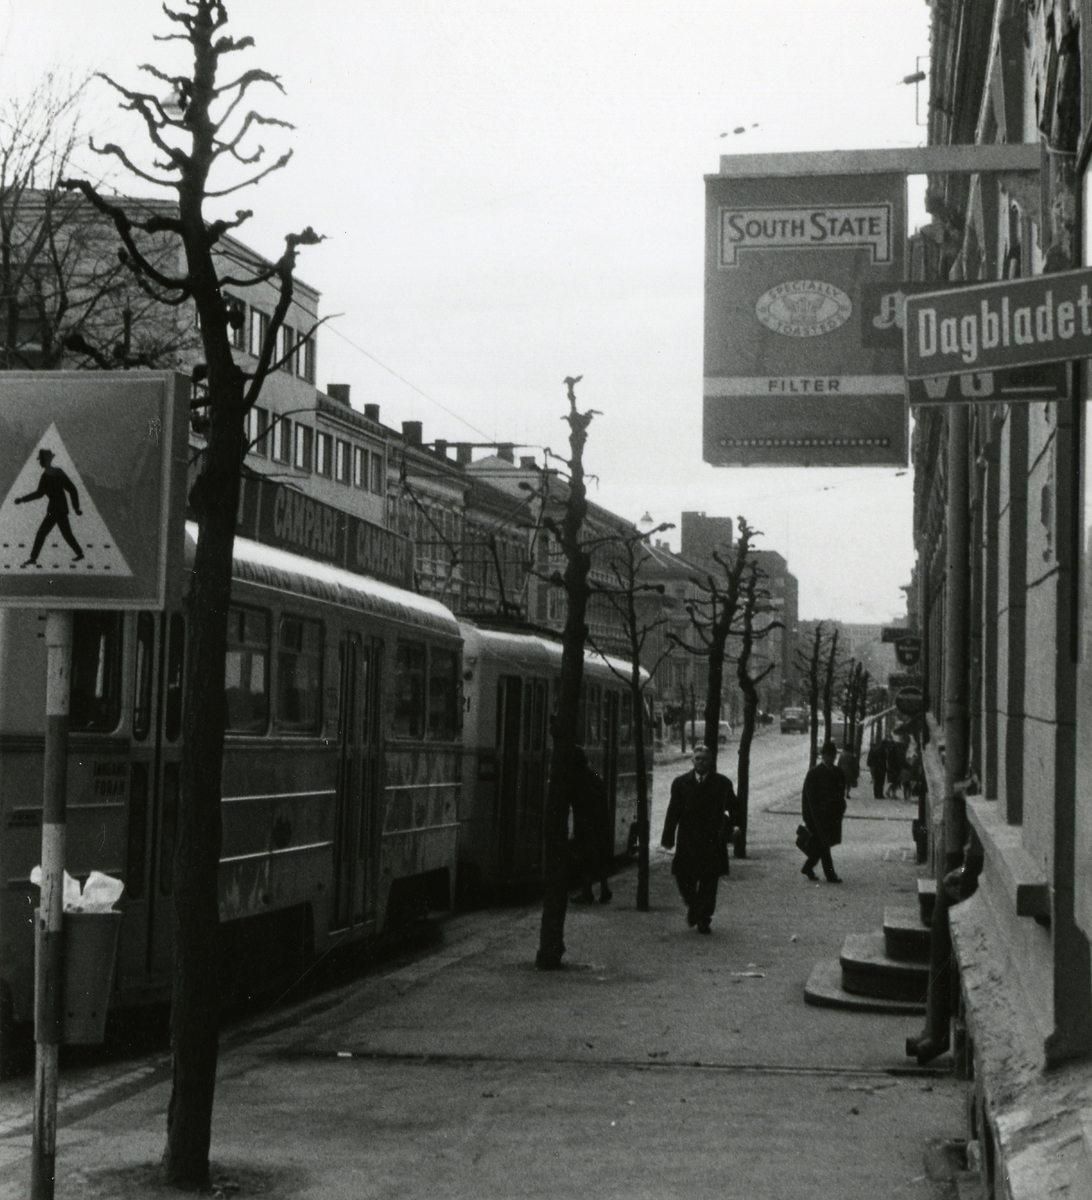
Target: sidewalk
{"x": 659, "y": 1063}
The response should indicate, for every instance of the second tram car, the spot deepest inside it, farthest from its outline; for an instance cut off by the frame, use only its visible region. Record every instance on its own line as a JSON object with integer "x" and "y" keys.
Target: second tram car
{"x": 510, "y": 682}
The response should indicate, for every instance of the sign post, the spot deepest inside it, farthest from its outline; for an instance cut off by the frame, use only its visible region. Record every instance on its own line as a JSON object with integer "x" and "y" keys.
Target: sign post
{"x": 107, "y": 455}
{"x": 49, "y": 942}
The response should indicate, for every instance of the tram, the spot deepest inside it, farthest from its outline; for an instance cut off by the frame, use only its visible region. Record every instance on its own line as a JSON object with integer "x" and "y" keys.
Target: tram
{"x": 341, "y": 771}
{"x": 510, "y": 684}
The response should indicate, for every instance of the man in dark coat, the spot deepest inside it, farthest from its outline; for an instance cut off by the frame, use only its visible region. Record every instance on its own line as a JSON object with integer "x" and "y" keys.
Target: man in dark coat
{"x": 896, "y": 760}
{"x": 877, "y": 765}
{"x": 698, "y": 813}
{"x": 591, "y": 831}
{"x": 823, "y": 806}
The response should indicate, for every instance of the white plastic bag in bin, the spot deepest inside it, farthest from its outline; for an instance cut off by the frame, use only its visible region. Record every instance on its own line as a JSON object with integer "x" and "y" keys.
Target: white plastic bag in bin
{"x": 99, "y": 894}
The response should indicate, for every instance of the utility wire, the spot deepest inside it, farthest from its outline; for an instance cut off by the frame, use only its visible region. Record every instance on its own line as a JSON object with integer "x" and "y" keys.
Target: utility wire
{"x": 402, "y": 379}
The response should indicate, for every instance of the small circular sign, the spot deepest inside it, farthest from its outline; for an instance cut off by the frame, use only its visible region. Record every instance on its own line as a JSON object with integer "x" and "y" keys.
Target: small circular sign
{"x": 803, "y": 308}
{"x": 909, "y": 701}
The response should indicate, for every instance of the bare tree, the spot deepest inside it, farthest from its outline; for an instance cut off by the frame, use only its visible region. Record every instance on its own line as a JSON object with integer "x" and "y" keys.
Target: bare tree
{"x": 808, "y": 668}
{"x": 63, "y": 292}
{"x": 830, "y": 671}
{"x": 713, "y": 616}
{"x": 201, "y": 127}
{"x": 627, "y": 559}
{"x": 563, "y": 724}
{"x": 755, "y": 627}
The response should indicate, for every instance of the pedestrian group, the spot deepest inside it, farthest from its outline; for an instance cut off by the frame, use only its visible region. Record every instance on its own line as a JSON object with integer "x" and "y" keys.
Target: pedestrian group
{"x": 702, "y": 819}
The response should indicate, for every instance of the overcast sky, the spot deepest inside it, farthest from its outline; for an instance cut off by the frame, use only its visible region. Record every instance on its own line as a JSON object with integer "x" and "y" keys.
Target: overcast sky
{"x": 513, "y": 193}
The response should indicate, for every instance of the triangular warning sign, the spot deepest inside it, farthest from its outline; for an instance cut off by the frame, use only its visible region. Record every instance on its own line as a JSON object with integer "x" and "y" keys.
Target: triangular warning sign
{"x": 55, "y": 513}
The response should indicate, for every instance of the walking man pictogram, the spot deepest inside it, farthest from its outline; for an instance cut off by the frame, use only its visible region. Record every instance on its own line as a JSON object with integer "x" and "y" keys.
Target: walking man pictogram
{"x": 53, "y": 485}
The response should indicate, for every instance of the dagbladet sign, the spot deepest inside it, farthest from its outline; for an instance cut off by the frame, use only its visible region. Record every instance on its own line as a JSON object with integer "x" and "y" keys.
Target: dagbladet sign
{"x": 995, "y": 326}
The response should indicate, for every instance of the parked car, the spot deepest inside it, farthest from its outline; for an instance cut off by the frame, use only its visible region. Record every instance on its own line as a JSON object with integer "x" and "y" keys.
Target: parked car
{"x": 794, "y": 720}
{"x": 696, "y": 732}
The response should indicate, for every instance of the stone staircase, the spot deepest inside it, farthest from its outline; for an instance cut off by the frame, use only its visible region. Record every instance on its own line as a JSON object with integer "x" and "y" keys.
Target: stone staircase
{"x": 886, "y": 971}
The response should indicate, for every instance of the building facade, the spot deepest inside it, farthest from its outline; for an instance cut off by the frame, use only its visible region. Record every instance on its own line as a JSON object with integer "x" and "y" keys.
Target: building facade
{"x": 1002, "y": 599}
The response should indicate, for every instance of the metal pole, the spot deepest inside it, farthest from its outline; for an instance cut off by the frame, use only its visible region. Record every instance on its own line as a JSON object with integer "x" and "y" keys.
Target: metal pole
{"x": 49, "y": 946}
{"x": 956, "y": 637}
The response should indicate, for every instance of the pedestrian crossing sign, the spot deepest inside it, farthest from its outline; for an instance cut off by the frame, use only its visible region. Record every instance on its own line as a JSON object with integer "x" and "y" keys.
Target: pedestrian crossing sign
{"x": 92, "y": 488}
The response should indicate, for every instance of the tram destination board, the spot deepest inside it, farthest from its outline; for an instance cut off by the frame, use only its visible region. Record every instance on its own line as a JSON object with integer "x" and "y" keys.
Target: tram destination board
{"x": 92, "y": 488}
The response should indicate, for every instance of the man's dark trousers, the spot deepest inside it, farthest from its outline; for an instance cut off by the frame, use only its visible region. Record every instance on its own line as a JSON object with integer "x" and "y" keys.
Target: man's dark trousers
{"x": 699, "y": 893}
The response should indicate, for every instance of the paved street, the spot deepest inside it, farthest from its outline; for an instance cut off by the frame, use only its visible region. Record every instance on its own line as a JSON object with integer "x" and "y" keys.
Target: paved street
{"x": 657, "y": 1064}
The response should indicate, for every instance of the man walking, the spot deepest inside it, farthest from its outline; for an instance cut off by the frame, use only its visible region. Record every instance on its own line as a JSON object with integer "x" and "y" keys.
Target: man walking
{"x": 823, "y": 806}
{"x": 698, "y": 813}
{"x": 52, "y": 485}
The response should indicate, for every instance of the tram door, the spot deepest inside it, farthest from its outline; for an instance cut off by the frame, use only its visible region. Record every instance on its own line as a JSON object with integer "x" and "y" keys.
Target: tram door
{"x": 358, "y": 783}
{"x": 145, "y": 954}
{"x": 610, "y": 752}
{"x": 521, "y": 774}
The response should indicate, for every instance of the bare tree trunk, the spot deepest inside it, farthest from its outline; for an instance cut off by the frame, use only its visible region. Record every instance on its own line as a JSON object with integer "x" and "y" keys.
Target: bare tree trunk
{"x": 813, "y": 696}
{"x": 828, "y": 686}
{"x": 555, "y": 898}
{"x": 195, "y": 996}
{"x": 642, "y": 787}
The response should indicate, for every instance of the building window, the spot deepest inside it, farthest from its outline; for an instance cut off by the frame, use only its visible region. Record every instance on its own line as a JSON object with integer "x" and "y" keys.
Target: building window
{"x": 360, "y": 467}
{"x": 246, "y": 671}
{"x": 306, "y": 363}
{"x": 324, "y": 454}
{"x": 282, "y": 440}
{"x": 301, "y": 457}
{"x": 409, "y": 691}
{"x": 299, "y": 675}
{"x": 288, "y": 347}
{"x": 259, "y": 328}
{"x": 343, "y": 461}
{"x": 377, "y": 474}
{"x": 236, "y": 317}
{"x": 257, "y": 431}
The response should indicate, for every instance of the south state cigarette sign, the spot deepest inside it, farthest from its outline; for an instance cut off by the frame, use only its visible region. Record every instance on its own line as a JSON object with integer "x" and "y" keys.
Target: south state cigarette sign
{"x": 92, "y": 487}
{"x": 800, "y": 276}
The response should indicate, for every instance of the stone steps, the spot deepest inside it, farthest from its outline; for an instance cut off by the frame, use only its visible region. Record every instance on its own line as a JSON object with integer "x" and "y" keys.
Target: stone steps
{"x": 905, "y": 937}
{"x": 824, "y": 990}
{"x": 867, "y": 970}
{"x": 927, "y": 895}
{"x": 886, "y": 971}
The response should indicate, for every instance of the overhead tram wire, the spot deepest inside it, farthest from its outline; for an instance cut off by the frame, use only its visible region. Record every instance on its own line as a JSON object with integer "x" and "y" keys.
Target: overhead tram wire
{"x": 402, "y": 379}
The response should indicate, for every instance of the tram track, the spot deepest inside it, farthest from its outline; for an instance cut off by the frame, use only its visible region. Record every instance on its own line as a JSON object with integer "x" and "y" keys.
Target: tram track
{"x": 425, "y": 1059}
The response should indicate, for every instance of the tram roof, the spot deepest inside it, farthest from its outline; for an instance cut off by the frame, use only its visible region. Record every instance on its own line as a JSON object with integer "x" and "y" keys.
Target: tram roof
{"x": 270, "y": 567}
{"x": 532, "y": 649}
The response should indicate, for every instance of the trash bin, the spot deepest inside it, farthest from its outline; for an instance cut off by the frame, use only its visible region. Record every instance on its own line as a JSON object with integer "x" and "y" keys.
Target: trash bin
{"x": 90, "y": 953}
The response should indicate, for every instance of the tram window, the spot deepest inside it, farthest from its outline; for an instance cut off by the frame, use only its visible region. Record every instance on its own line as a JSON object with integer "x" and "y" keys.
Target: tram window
{"x": 176, "y": 648}
{"x": 142, "y": 690}
{"x": 168, "y": 827}
{"x": 592, "y": 729}
{"x": 443, "y": 704}
{"x": 409, "y": 690}
{"x": 299, "y": 675}
{"x": 138, "y": 831}
{"x": 625, "y": 737}
{"x": 95, "y": 696}
{"x": 246, "y": 671}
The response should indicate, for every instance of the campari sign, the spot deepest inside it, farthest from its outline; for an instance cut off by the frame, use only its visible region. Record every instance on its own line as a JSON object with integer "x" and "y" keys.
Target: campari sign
{"x": 996, "y": 327}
